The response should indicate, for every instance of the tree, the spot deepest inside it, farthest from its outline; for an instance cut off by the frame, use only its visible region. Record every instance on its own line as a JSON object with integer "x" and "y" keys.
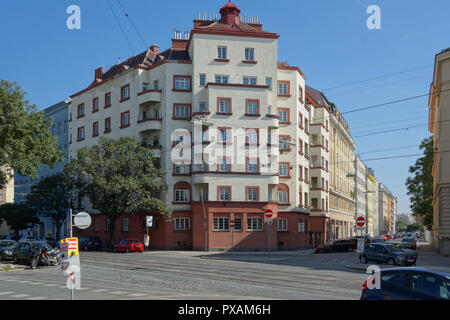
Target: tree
{"x": 119, "y": 177}
{"x": 18, "y": 216}
{"x": 401, "y": 225}
{"x": 50, "y": 198}
{"x": 420, "y": 186}
{"x": 25, "y": 139}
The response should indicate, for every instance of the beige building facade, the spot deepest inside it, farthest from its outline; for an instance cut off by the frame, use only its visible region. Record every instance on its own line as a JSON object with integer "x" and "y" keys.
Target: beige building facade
{"x": 6, "y": 196}
{"x": 439, "y": 125}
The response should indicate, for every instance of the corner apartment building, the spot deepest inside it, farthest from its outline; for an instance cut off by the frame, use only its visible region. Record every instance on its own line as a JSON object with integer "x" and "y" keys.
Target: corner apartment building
{"x": 372, "y": 203}
{"x": 60, "y": 128}
{"x": 6, "y": 196}
{"x": 361, "y": 193}
{"x": 255, "y": 143}
{"x": 438, "y": 124}
{"x": 384, "y": 205}
{"x": 342, "y": 197}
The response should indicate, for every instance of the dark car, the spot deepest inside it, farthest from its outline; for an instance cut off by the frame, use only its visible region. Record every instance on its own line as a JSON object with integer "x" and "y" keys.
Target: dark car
{"x": 377, "y": 240}
{"x": 346, "y": 245}
{"x": 390, "y": 253}
{"x": 6, "y": 249}
{"x": 27, "y": 251}
{"x": 90, "y": 243}
{"x": 408, "y": 284}
{"x": 409, "y": 243}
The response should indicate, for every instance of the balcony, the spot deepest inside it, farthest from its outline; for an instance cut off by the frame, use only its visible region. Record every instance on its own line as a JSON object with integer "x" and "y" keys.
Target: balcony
{"x": 155, "y": 146}
{"x": 149, "y": 96}
{"x": 149, "y": 124}
{"x": 205, "y": 173}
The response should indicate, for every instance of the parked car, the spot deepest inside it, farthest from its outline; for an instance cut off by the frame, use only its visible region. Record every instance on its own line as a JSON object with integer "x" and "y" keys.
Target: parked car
{"x": 389, "y": 253}
{"x": 409, "y": 284}
{"x": 129, "y": 245}
{"x": 6, "y": 249}
{"x": 409, "y": 243}
{"x": 344, "y": 245}
{"x": 28, "y": 251}
{"x": 90, "y": 243}
{"x": 387, "y": 237}
{"x": 377, "y": 240}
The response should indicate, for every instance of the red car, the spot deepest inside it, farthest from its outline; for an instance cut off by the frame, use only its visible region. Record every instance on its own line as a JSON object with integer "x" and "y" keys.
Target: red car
{"x": 129, "y": 245}
{"x": 387, "y": 237}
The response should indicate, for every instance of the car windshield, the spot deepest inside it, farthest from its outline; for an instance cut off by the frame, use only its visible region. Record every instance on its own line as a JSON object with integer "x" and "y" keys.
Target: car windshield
{"x": 6, "y": 244}
{"x": 407, "y": 240}
{"x": 123, "y": 242}
{"x": 41, "y": 245}
{"x": 394, "y": 248}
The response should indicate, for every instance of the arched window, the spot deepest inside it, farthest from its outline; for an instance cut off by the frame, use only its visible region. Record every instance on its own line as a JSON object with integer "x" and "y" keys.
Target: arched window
{"x": 283, "y": 194}
{"x": 182, "y": 192}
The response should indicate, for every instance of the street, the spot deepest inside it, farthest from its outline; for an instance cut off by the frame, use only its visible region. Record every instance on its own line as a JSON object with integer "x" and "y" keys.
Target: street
{"x": 185, "y": 275}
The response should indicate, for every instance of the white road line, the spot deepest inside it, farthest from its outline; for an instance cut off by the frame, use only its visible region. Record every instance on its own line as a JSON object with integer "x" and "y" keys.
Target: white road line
{"x": 99, "y": 290}
{"x": 50, "y": 285}
{"x": 6, "y": 293}
{"x": 85, "y": 289}
{"x": 118, "y": 292}
{"x": 20, "y": 296}
{"x": 138, "y": 295}
{"x": 36, "y": 283}
{"x": 37, "y": 298}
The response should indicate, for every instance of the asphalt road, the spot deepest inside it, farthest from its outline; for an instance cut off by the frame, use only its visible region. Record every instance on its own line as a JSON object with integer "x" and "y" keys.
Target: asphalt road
{"x": 194, "y": 275}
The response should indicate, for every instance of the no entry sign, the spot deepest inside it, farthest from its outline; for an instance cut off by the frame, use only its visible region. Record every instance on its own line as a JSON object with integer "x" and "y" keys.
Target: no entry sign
{"x": 232, "y": 224}
{"x": 361, "y": 222}
{"x": 268, "y": 214}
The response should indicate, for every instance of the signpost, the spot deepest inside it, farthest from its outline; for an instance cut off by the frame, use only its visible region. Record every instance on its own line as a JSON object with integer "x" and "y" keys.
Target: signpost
{"x": 149, "y": 225}
{"x": 361, "y": 222}
{"x": 361, "y": 244}
{"x": 232, "y": 233}
{"x": 70, "y": 263}
{"x": 268, "y": 217}
{"x": 82, "y": 220}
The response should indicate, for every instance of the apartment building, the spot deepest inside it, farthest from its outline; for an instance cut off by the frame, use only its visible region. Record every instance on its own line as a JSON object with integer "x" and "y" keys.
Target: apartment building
{"x": 372, "y": 203}
{"x": 219, "y": 94}
{"x": 6, "y": 196}
{"x": 439, "y": 125}
{"x": 361, "y": 193}
{"x": 384, "y": 205}
{"x": 58, "y": 114}
{"x": 342, "y": 195}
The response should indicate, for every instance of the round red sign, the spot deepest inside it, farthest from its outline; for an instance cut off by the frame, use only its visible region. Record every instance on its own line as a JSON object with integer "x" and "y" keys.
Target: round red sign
{"x": 361, "y": 222}
{"x": 268, "y": 214}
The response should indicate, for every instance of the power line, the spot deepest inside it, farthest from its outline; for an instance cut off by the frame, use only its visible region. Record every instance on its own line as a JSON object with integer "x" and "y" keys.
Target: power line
{"x": 378, "y": 77}
{"x": 132, "y": 23}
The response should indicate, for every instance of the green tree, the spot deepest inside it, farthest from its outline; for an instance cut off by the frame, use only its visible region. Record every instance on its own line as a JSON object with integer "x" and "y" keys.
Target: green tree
{"x": 401, "y": 225}
{"x": 25, "y": 139}
{"x": 50, "y": 198}
{"x": 420, "y": 185}
{"x": 119, "y": 177}
{"x": 18, "y": 216}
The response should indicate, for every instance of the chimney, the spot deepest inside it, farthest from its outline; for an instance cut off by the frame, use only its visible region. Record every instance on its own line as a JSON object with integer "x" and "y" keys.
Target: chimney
{"x": 99, "y": 73}
{"x": 155, "y": 49}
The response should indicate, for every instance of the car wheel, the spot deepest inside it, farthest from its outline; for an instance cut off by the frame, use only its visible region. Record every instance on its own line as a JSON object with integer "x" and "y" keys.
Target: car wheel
{"x": 391, "y": 262}
{"x": 127, "y": 250}
{"x": 16, "y": 260}
{"x": 85, "y": 248}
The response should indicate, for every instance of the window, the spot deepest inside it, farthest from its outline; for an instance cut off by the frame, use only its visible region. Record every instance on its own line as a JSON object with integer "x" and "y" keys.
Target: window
{"x": 107, "y": 125}
{"x": 107, "y": 99}
{"x": 282, "y": 225}
{"x": 221, "y": 224}
{"x": 182, "y": 196}
{"x": 125, "y": 119}
{"x": 222, "y": 52}
{"x": 252, "y": 137}
{"x": 252, "y": 165}
{"x": 283, "y": 169}
{"x": 95, "y": 129}
{"x": 224, "y": 165}
{"x": 269, "y": 82}
{"x": 300, "y": 173}
{"x": 145, "y": 86}
{"x": 250, "y": 54}
{"x": 300, "y": 93}
{"x": 300, "y": 120}
{"x": 224, "y": 193}
{"x": 203, "y": 107}
{"x": 250, "y": 81}
{"x": 252, "y": 107}
{"x": 182, "y": 169}
{"x": 95, "y": 105}
{"x": 284, "y": 115}
{"x": 283, "y": 194}
{"x": 182, "y": 224}
{"x": 254, "y": 224}
{"x": 81, "y": 110}
{"x": 124, "y": 93}
{"x": 301, "y": 226}
{"x": 182, "y": 83}
{"x": 202, "y": 79}
{"x": 428, "y": 285}
{"x": 81, "y": 134}
{"x": 283, "y": 88}
{"x": 396, "y": 279}
{"x": 156, "y": 85}
{"x": 306, "y": 174}
{"x": 181, "y": 111}
{"x": 125, "y": 225}
{"x": 96, "y": 226}
{"x": 224, "y": 135}
{"x": 252, "y": 194}
{"x": 224, "y": 105}
{"x": 238, "y": 224}
{"x": 222, "y": 79}
{"x": 284, "y": 143}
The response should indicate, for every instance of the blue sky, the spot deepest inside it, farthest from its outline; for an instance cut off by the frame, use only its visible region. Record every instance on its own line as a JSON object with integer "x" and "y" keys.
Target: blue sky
{"x": 327, "y": 39}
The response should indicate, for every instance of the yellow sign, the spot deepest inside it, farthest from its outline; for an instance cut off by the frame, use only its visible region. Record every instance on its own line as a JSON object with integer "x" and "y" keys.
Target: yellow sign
{"x": 72, "y": 246}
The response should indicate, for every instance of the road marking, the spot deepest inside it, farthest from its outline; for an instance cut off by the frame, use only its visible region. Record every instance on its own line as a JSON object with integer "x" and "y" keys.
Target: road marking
{"x": 85, "y": 289}
{"x": 5, "y": 293}
{"x": 37, "y": 298}
{"x": 118, "y": 292}
{"x": 138, "y": 295}
{"x": 20, "y": 295}
{"x": 36, "y": 283}
{"x": 99, "y": 290}
{"x": 50, "y": 285}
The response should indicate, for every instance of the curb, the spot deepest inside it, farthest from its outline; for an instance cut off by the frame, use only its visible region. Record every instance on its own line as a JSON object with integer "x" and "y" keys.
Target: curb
{"x": 240, "y": 259}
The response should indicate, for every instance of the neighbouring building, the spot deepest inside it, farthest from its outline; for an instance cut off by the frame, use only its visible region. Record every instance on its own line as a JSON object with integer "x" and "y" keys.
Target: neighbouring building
{"x": 361, "y": 194}
{"x": 60, "y": 128}
{"x": 384, "y": 204}
{"x": 221, "y": 90}
{"x": 372, "y": 204}
{"x": 342, "y": 187}
{"x": 439, "y": 125}
{"x": 6, "y": 196}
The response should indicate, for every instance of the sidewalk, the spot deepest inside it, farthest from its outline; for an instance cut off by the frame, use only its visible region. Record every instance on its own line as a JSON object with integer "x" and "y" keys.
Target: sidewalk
{"x": 255, "y": 256}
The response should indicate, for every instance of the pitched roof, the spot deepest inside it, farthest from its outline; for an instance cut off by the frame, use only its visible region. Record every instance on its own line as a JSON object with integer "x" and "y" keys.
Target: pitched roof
{"x": 318, "y": 96}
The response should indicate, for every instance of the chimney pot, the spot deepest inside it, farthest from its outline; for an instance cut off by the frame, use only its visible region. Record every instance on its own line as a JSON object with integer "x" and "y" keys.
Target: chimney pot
{"x": 155, "y": 49}
{"x": 99, "y": 73}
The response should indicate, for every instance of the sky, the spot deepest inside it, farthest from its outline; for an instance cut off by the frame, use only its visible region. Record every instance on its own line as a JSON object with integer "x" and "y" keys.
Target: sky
{"x": 329, "y": 40}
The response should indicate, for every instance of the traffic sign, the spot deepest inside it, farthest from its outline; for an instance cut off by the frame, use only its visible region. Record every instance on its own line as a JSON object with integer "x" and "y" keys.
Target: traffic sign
{"x": 232, "y": 224}
{"x": 268, "y": 214}
{"x": 82, "y": 220}
{"x": 149, "y": 221}
{"x": 361, "y": 222}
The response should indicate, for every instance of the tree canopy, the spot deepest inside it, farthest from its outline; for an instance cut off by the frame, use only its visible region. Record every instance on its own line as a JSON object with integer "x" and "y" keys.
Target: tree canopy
{"x": 420, "y": 185}
{"x": 25, "y": 139}
{"x": 119, "y": 177}
{"x": 18, "y": 216}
